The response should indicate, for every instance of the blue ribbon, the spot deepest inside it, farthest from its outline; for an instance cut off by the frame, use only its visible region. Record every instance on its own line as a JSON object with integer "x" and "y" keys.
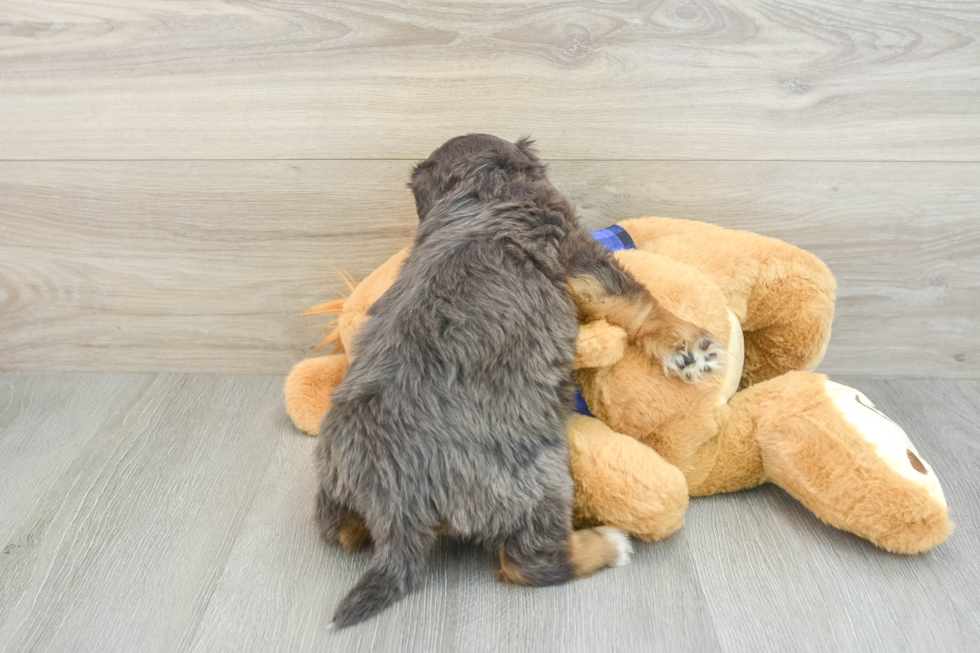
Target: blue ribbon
{"x": 614, "y": 238}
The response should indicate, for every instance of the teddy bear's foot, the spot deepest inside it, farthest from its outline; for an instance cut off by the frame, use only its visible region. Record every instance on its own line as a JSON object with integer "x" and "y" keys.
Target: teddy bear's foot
{"x": 697, "y": 359}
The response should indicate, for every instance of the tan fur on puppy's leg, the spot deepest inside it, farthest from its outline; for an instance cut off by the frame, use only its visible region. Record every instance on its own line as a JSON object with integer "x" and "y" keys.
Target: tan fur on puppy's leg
{"x": 508, "y": 573}
{"x": 589, "y": 550}
{"x": 685, "y": 349}
{"x": 593, "y": 549}
{"x": 354, "y": 534}
{"x": 594, "y": 303}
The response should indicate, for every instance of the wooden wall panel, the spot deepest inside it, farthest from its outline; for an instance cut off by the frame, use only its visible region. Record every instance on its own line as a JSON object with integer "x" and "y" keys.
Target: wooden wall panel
{"x": 204, "y": 265}
{"x": 286, "y": 79}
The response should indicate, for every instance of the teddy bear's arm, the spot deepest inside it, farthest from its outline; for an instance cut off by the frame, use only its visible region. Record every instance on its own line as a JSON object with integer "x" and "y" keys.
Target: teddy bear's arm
{"x": 783, "y": 295}
{"x": 599, "y": 344}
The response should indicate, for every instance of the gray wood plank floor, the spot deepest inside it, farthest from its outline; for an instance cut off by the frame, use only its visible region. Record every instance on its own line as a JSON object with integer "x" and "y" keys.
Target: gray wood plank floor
{"x": 174, "y": 512}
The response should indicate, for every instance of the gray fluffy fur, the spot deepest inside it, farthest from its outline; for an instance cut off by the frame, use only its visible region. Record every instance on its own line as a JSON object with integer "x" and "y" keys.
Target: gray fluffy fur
{"x": 453, "y": 410}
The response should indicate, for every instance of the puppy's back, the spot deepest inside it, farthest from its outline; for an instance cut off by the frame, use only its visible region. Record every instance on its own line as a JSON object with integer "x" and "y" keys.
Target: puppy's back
{"x": 472, "y": 333}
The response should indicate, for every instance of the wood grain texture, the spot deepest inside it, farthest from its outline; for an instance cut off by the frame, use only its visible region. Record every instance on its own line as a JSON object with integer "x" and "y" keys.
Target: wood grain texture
{"x": 778, "y": 579}
{"x": 180, "y": 519}
{"x": 706, "y": 79}
{"x": 282, "y": 584}
{"x": 203, "y": 266}
{"x": 118, "y": 549}
{"x": 45, "y": 421}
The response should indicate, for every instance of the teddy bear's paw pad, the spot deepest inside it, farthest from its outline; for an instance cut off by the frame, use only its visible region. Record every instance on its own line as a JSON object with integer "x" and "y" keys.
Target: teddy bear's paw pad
{"x": 620, "y": 541}
{"x": 693, "y": 361}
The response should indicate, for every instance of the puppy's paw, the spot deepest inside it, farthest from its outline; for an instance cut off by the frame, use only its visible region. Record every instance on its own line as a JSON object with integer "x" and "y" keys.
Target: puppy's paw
{"x": 620, "y": 541}
{"x": 696, "y": 358}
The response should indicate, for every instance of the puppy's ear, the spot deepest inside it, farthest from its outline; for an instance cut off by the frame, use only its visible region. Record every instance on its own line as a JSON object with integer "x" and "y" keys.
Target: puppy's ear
{"x": 536, "y": 170}
{"x": 526, "y": 145}
{"x": 425, "y": 188}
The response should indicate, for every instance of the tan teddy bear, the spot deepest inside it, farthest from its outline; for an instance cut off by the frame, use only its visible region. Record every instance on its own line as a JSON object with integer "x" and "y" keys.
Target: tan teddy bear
{"x": 649, "y": 441}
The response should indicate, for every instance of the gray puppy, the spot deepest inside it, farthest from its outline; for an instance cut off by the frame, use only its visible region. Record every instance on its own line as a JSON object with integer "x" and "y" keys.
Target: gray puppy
{"x": 452, "y": 414}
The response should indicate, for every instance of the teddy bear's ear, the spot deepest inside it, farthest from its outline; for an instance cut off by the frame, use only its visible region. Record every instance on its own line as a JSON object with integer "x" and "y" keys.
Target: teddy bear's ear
{"x": 599, "y": 344}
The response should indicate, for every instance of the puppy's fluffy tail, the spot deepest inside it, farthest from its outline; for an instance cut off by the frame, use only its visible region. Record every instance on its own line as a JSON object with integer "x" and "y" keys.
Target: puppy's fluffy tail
{"x": 394, "y": 572}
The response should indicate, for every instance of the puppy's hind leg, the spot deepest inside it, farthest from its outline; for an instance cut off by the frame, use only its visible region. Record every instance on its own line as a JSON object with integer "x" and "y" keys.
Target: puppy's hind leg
{"x": 341, "y": 525}
{"x": 593, "y": 549}
{"x": 536, "y": 558}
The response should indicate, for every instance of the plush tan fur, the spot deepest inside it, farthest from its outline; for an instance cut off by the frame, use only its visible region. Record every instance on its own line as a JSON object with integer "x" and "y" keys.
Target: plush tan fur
{"x": 783, "y": 296}
{"x": 816, "y": 462}
{"x": 623, "y": 483}
{"x": 308, "y": 389}
{"x": 599, "y": 344}
{"x": 655, "y": 440}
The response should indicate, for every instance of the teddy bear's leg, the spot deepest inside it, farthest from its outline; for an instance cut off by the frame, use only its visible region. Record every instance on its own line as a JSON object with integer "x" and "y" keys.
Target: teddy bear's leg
{"x": 828, "y": 446}
{"x": 308, "y": 389}
{"x": 622, "y": 483}
{"x": 783, "y": 295}
{"x": 788, "y": 315}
